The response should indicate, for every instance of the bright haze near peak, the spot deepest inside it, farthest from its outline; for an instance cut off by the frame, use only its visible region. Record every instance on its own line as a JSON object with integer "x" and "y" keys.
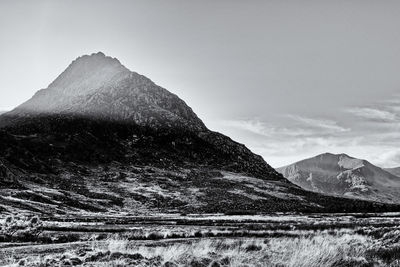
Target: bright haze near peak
{"x": 290, "y": 79}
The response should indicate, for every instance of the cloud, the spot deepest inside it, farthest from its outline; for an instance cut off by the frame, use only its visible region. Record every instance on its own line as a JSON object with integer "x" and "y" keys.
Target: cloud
{"x": 389, "y": 158}
{"x": 374, "y": 114}
{"x": 285, "y": 139}
{"x": 323, "y": 124}
{"x": 303, "y": 127}
{"x": 254, "y": 126}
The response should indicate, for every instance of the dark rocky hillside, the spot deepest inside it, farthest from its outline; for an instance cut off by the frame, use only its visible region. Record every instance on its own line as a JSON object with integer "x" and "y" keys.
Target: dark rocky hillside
{"x": 53, "y": 140}
{"x": 58, "y": 164}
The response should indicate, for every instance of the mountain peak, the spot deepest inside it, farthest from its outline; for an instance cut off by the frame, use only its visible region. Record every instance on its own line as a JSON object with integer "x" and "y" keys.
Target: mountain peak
{"x": 333, "y": 155}
{"x": 98, "y": 58}
{"x": 88, "y": 72}
{"x": 99, "y": 86}
{"x": 101, "y": 54}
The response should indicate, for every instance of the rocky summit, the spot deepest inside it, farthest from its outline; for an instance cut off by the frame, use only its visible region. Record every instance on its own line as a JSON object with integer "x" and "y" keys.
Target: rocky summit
{"x": 102, "y": 138}
{"x": 98, "y": 86}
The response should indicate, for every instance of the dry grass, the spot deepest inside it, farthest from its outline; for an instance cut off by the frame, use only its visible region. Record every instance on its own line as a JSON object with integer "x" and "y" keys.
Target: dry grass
{"x": 322, "y": 250}
{"x": 336, "y": 248}
{"x": 318, "y": 250}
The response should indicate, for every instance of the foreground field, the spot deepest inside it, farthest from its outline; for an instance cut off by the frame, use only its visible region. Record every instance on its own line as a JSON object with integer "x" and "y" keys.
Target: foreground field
{"x": 214, "y": 240}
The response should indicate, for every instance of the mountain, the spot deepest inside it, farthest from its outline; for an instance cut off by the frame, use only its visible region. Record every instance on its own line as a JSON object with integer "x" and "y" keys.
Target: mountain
{"x": 394, "y": 171}
{"x": 342, "y": 175}
{"x": 98, "y": 86}
{"x": 104, "y": 139}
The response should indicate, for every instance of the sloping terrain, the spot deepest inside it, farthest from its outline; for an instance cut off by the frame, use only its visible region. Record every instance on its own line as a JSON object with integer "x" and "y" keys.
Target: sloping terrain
{"x": 394, "y": 171}
{"x": 104, "y": 139}
{"x": 68, "y": 164}
{"x": 344, "y": 176}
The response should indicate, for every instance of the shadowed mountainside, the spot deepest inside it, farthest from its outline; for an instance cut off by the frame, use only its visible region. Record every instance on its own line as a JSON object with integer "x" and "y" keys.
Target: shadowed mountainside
{"x": 67, "y": 164}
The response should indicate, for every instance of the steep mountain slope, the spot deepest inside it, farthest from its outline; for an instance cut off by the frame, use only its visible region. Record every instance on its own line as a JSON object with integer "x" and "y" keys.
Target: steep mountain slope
{"x": 344, "y": 176}
{"x": 98, "y": 86}
{"x": 394, "y": 171}
{"x": 103, "y": 138}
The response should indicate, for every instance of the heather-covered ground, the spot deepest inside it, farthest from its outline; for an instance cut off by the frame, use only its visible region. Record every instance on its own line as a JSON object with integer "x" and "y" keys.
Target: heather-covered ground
{"x": 206, "y": 240}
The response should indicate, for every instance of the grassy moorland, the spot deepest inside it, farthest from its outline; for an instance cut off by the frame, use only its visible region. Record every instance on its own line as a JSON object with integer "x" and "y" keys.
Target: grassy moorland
{"x": 214, "y": 240}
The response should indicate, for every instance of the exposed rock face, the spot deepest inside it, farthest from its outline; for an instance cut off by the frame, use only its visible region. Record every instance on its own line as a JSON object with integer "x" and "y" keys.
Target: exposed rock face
{"x": 99, "y": 86}
{"x": 344, "y": 176}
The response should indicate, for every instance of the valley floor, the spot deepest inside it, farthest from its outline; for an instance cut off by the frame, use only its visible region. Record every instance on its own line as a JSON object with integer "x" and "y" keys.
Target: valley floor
{"x": 203, "y": 240}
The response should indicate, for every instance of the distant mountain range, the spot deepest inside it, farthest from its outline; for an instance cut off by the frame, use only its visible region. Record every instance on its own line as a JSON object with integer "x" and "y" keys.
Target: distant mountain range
{"x": 342, "y": 175}
{"x": 104, "y": 139}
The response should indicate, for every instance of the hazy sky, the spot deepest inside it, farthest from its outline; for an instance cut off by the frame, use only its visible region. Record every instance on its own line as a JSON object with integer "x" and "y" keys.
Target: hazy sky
{"x": 290, "y": 79}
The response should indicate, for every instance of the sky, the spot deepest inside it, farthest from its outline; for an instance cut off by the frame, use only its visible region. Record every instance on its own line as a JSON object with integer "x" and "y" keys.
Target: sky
{"x": 290, "y": 79}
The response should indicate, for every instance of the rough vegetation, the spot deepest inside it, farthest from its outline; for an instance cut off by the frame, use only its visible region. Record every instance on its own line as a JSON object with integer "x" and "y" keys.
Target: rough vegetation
{"x": 367, "y": 240}
{"x": 14, "y": 229}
